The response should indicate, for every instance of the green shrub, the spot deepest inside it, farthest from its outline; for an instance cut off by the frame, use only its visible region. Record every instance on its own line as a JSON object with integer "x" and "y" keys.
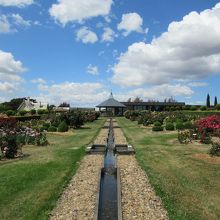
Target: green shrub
{"x": 52, "y": 129}
{"x": 169, "y": 126}
{"x": 10, "y": 113}
{"x": 63, "y": 127}
{"x": 76, "y": 120}
{"x": 42, "y": 111}
{"x": 186, "y": 107}
{"x": 217, "y": 106}
{"x": 188, "y": 125}
{"x": 215, "y": 149}
{"x": 23, "y": 112}
{"x": 179, "y": 126}
{"x": 157, "y": 128}
{"x": 27, "y": 118}
{"x": 127, "y": 114}
{"x": 46, "y": 125}
{"x": 140, "y": 120}
{"x": 33, "y": 111}
{"x": 157, "y": 124}
{"x": 193, "y": 108}
{"x": 203, "y": 108}
{"x": 43, "y": 128}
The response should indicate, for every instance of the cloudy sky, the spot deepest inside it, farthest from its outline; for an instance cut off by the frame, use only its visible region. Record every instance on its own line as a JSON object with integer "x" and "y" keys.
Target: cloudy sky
{"x": 78, "y": 50}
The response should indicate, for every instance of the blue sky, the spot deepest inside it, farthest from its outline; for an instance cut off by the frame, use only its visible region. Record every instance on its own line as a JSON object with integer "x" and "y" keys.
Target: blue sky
{"x": 78, "y": 50}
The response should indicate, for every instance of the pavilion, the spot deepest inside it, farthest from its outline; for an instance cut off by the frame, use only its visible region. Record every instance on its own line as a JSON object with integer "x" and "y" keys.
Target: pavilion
{"x": 111, "y": 107}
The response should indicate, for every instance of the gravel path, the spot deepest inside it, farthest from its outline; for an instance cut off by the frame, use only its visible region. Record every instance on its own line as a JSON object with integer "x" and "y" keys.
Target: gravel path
{"x": 138, "y": 198}
{"x": 79, "y": 199}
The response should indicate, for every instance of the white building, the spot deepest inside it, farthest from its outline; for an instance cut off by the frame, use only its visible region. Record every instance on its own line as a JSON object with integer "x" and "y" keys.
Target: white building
{"x": 29, "y": 104}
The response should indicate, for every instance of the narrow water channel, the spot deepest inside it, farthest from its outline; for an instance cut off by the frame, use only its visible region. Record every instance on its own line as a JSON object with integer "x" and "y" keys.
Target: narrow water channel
{"x": 108, "y": 204}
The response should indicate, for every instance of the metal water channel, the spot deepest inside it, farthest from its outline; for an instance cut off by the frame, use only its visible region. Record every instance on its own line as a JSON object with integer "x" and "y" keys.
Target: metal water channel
{"x": 108, "y": 195}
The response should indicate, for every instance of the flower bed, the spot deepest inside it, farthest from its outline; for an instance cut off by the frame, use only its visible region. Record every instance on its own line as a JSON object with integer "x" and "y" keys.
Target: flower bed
{"x": 13, "y": 136}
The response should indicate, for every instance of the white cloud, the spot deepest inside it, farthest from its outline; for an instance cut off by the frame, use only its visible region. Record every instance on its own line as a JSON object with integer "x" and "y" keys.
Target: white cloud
{"x": 9, "y": 23}
{"x": 20, "y": 21}
{"x": 9, "y": 67}
{"x": 86, "y": 36}
{"x": 10, "y": 70}
{"x": 184, "y": 52}
{"x": 38, "y": 80}
{"x": 108, "y": 35}
{"x": 5, "y": 26}
{"x": 198, "y": 84}
{"x": 163, "y": 91}
{"x": 65, "y": 11}
{"x": 16, "y": 3}
{"x": 131, "y": 22}
{"x": 92, "y": 69}
{"x": 78, "y": 94}
{"x": 7, "y": 87}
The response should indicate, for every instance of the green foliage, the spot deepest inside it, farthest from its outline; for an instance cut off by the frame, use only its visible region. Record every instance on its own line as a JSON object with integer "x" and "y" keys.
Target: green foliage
{"x": 13, "y": 104}
{"x": 63, "y": 127}
{"x": 157, "y": 124}
{"x": 23, "y": 112}
{"x": 208, "y": 101}
{"x": 188, "y": 125}
{"x": 27, "y": 118}
{"x": 10, "y": 113}
{"x": 52, "y": 129}
{"x": 203, "y": 108}
{"x": 157, "y": 128}
{"x": 215, "y": 149}
{"x": 127, "y": 114}
{"x": 179, "y": 126}
{"x": 46, "y": 125}
{"x": 33, "y": 111}
{"x": 218, "y": 106}
{"x": 169, "y": 126}
{"x": 215, "y": 101}
{"x": 193, "y": 108}
{"x": 42, "y": 111}
{"x": 76, "y": 120}
{"x": 186, "y": 107}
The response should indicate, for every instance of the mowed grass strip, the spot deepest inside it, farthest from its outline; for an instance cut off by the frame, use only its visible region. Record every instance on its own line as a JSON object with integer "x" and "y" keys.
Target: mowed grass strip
{"x": 30, "y": 187}
{"x": 188, "y": 186}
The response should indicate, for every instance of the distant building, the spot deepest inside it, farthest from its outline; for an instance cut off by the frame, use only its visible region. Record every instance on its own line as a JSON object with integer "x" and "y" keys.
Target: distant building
{"x": 153, "y": 106}
{"x": 113, "y": 107}
{"x": 29, "y": 104}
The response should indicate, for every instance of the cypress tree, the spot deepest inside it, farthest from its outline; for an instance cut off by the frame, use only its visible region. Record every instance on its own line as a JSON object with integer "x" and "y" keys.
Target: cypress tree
{"x": 216, "y": 101}
{"x": 208, "y": 101}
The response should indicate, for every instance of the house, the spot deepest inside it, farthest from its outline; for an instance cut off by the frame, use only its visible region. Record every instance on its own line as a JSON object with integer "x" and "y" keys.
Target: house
{"x": 29, "y": 104}
{"x": 111, "y": 107}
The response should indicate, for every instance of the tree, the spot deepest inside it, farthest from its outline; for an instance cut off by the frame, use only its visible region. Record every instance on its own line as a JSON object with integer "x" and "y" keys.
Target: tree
{"x": 129, "y": 100}
{"x": 137, "y": 99}
{"x": 64, "y": 104}
{"x": 208, "y": 101}
{"x": 216, "y": 101}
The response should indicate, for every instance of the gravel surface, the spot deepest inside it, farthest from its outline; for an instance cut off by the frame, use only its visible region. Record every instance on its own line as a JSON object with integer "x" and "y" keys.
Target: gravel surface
{"x": 119, "y": 136}
{"x": 78, "y": 201}
{"x": 138, "y": 198}
{"x": 102, "y": 137}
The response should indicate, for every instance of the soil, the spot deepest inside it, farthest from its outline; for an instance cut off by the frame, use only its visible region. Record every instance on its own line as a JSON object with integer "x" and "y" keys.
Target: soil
{"x": 208, "y": 158}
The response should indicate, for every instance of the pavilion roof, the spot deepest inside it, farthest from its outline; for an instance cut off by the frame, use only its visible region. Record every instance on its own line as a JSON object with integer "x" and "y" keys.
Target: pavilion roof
{"x": 111, "y": 102}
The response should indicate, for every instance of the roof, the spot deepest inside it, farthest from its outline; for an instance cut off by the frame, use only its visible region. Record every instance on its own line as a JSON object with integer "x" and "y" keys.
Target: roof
{"x": 111, "y": 102}
{"x": 154, "y": 103}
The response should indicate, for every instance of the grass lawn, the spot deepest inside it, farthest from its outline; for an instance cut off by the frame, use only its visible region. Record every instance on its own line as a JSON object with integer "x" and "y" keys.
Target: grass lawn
{"x": 30, "y": 187}
{"x": 182, "y": 175}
